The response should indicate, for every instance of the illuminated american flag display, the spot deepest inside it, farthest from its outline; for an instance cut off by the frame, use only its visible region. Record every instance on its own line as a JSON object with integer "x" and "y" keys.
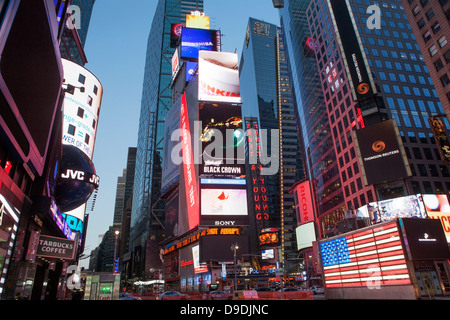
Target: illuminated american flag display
{"x": 366, "y": 258}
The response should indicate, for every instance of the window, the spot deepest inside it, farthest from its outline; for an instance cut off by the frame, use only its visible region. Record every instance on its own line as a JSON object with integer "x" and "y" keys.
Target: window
{"x": 421, "y": 23}
{"x": 416, "y": 10}
{"x": 432, "y": 50}
{"x": 438, "y": 64}
{"x": 423, "y": 2}
{"x": 447, "y": 56}
{"x": 430, "y": 14}
{"x": 445, "y": 80}
{"x": 436, "y": 27}
{"x": 86, "y": 138}
{"x": 442, "y": 41}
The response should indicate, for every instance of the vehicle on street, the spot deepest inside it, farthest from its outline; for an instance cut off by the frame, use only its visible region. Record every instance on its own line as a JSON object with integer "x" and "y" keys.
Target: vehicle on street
{"x": 289, "y": 289}
{"x": 263, "y": 289}
{"x": 171, "y": 295}
{"x": 316, "y": 289}
{"x": 220, "y": 295}
{"x": 127, "y": 296}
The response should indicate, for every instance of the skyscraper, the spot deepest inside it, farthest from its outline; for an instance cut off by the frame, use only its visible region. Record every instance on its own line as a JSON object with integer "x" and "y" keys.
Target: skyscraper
{"x": 147, "y": 213}
{"x": 402, "y": 90}
{"x": 266, "y": 91}
{"x": 320, "y": 162}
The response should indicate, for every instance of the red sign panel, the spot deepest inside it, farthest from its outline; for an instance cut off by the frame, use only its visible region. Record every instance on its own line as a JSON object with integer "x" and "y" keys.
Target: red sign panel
{"x": 188, "y": 167}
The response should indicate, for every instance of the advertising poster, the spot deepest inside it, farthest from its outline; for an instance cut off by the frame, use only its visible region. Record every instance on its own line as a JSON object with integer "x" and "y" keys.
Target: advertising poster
{"x": 194, "y": 40}
{"x": 222, "y": 140}
{"x": 304, "y": 202}
{"x": 381, "y": 153}
{"x": 223, "y": 202}
{"x": 387, "y": 210}
{"x": 361, "y": 80}
{"x": 218, "y": 77}
{"x": 170, "y": 171}
{"x": 437, "y": 207}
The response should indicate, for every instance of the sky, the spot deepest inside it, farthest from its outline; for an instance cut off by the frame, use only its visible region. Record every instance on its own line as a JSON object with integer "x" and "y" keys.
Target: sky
{"x": 115, "y": 49}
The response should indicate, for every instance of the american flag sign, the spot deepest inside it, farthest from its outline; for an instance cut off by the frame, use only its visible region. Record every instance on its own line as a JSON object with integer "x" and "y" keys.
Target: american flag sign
{"x": 370, "y": 257}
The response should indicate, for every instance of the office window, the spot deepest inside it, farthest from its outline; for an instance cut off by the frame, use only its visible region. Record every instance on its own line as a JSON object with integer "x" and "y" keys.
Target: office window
{"x": 427, "y": 36}
{"x": 421, "y": 23}
{"x": 81, "y": 78}
{"x": 442, "y": 41}
{"x": 438, "y": 64}
{"x": 432, "y": 50}
{"x": 445, "y": 80}
{"x": 436, "y": 27}
{"x": 430, "y": 14}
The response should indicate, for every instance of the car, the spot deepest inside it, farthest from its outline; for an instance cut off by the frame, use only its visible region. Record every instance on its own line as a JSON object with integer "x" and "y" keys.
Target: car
{"x": 316, "y": 289}
{"x": 289, "y": 289}
{"x": 127, "y": 296}
{"x": 171, "y": 295}
{"x": 220, "y": 295}
{"x": 263, "y": 289}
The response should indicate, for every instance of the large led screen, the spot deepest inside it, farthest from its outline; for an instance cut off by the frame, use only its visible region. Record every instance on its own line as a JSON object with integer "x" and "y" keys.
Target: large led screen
{"x": 367, "y": 258}
{"x": 381, "y": 153}
{"x": 223, "y": 202}
{"x": 194, "y": 40}
{"x": 222, "y": 140}
{"x": 218, "y": 74}
{"x": 438, "y": 207}
{"x": 386, "y": 210}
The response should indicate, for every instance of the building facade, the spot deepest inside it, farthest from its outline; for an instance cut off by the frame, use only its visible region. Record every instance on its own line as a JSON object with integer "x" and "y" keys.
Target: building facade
{"x": 403, "y": 90}
{"x": 268, "y": 101}
{"x": 430, "y": 24}
{"x": 147, "y": 216}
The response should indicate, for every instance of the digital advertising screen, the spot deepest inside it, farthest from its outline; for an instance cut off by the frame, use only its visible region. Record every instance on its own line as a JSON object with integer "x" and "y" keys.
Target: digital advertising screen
{"x": 387, "y": 210}
{"x": 222, "y": 140}
{"x": 223, "y": 202}
{"x": 193, "y": 40}
{"x": 381, "y": 153}
{"x": 438, "y": 207}
{"x": 218, "y": 76}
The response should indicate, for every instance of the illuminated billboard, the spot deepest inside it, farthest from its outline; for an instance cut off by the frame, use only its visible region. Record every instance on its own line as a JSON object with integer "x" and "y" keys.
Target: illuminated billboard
{"x": 223, "y": 202}
{"x": 222, "y": 140}
{"x": 381, "y": 153}
{"x": 361, "y": 80}
{"x": 371, "y": 257}
{"x": 198, "y": 20}
{"x": 306, "y": 235}
{"x": 193, "y": 40}
{"x": 189, "y": 173}
{"x": 218, "y": 76}
{"x": 437, "y": 207}
{"x": 170, "y": 170}
{"x": 81, "y": 107}
{"x": 304, "y": 203}
{"x": 387, "y": 210}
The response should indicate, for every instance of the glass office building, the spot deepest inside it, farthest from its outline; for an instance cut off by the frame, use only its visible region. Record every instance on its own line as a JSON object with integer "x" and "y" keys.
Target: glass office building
{"x": 405, "y": 93}
{"x": 319, "y": 155}
{"x": 267, "y": 97}
{"x": 147, "y": 216}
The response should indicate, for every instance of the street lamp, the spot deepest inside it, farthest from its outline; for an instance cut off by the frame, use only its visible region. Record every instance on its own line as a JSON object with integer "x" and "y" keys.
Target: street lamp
{"x": 116, "y": 233}
{"x": 234, "y": 247}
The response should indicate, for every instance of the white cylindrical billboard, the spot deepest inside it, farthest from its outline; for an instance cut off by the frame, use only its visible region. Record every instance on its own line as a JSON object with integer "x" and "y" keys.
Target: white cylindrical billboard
{"x": 82, "y": 104}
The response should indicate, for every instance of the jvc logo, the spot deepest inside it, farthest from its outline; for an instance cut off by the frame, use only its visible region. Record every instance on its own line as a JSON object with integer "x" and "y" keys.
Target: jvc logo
{"x": 73, "y": 174}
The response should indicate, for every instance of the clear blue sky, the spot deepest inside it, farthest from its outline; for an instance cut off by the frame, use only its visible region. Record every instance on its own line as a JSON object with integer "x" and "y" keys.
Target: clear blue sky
{"x": 115, "y": 49}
